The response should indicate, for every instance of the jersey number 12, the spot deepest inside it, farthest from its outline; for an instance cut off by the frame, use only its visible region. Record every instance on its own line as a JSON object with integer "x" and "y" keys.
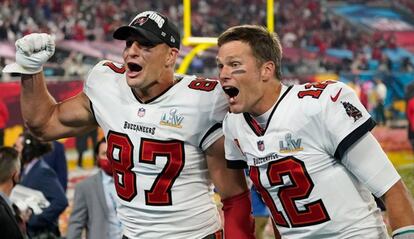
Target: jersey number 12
{"x": 300, "y": 188}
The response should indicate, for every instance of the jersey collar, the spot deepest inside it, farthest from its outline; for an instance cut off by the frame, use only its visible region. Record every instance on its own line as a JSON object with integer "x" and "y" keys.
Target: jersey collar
{"x": 259, "y": 131}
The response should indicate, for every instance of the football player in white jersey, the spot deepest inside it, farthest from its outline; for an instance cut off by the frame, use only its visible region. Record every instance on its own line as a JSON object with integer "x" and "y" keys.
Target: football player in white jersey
{"x": 308, "y": 147}
{"x": 163, "y": 132}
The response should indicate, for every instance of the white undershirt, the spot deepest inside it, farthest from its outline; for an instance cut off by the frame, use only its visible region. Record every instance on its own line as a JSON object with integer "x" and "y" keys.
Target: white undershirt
{"x": 262, "y": 119}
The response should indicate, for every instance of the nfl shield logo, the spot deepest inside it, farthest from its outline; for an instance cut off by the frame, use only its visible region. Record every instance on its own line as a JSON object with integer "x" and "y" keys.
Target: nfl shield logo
{"x": 260, "y": 145}
{"x": 141, "y": 112}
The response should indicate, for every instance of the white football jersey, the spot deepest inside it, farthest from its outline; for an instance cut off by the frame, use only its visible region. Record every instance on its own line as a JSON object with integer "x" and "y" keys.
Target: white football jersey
{"x": 156, "y": 149}
{"x": 295, "y": 162}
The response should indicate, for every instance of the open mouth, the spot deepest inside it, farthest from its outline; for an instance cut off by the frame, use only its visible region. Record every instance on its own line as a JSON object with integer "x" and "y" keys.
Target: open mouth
{"x": 133, "y": 67}
{"x": 231, "y": 91}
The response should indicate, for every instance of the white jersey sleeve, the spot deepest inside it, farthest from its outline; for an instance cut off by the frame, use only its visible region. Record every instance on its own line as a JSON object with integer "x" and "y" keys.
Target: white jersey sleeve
{"x": 101, "y": 77}
{"x": 234, "y": 156}
{"x": 94, "y": 74}
{"x": 369, "y": 163}
{"x": 348, "y": 126}
{"x": 343, "y": 117}
{"x": 218, "y": 108}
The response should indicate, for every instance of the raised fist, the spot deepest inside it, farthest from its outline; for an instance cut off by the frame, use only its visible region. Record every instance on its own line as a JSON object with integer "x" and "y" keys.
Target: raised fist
{"x": 32, "y": 51}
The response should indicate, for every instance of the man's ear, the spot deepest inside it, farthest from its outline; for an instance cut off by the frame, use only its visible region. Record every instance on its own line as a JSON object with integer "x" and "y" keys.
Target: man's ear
{"x": 268, "y": 70}
{"x": 15, "y": 177}
{"x": 172, "y": 57}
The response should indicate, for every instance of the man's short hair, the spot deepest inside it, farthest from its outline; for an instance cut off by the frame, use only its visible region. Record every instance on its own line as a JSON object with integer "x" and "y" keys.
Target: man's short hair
{"x": 265, "y": 45}
{"x": 9, "y": 163}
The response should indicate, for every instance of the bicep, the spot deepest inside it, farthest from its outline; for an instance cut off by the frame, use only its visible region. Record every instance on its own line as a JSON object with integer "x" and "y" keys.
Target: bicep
{"x": 70, "y": 117}
{"x": 229, "y": 182}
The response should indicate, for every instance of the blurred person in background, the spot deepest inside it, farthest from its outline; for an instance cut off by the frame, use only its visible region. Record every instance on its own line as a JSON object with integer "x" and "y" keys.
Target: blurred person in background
{"x": 94, "y": 205}
{"x": 74, "y": 66}
{"x": 56, "y": 159}
{"x": 164, "y": 150}
{"x": 308, "y": 147}
{"x": 379, "y": 108}
{"x": 36, "y": 174}
{"x": 4, "y": 117}
{"x": 409, "y": 95}
{"x": 9, "y": 176}
{"x": 82, "y": 144}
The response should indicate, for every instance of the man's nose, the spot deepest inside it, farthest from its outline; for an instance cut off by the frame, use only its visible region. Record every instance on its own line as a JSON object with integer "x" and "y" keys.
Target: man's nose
{"x": 224, "y": 74}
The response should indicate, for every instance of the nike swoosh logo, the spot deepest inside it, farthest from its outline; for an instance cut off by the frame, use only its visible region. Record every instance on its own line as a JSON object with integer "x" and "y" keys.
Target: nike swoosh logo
{"x": 335, "y": 98}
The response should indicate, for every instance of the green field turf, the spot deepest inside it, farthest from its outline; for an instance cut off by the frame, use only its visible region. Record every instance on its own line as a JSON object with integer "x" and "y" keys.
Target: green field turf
{"x": 407, "y": 174}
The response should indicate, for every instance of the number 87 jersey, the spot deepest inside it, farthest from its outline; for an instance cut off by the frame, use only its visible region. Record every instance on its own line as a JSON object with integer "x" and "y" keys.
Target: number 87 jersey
{"x": 156, "y": 150}
{"x": 295, "y": 162}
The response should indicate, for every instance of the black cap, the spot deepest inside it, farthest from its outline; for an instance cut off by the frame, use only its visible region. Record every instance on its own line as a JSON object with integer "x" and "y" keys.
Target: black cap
{"x": 153, "y": 26}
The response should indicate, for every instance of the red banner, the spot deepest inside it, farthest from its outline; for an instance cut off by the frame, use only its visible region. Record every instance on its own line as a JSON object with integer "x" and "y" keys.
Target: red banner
{"x": 10, "y": 94}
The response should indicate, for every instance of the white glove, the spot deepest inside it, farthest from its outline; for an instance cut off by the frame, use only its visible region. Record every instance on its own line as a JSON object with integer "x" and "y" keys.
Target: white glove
{"x": 32, "y": 51}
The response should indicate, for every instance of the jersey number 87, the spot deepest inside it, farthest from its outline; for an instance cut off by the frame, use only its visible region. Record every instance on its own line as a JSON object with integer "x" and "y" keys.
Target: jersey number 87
{"x": 121, "y": 154}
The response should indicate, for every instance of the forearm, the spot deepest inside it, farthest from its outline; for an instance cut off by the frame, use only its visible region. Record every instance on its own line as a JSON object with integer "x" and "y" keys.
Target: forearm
{"x": 232, "y": 187}
{"x": 237, "y": 206}
{"x": 238, "y": 220}
{"x": 37, "y": 105}
{"x": 399, "y": 205}
{"x": 228, "y": 182}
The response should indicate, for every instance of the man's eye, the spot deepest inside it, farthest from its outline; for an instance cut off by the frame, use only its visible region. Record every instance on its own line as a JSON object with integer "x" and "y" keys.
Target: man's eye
{"x": 235, "y": 64}
{"x": 147, "y": 44}
{"x": 147, "y": 48}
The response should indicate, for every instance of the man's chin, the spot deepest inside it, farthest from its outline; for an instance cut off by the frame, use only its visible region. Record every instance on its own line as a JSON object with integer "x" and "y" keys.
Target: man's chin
{"x": 236, "y": 109}
{"x": 133, "y": 82}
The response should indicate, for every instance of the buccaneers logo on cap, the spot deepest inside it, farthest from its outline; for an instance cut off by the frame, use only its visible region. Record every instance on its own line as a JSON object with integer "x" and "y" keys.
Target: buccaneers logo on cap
{"x": 140, "y": 21}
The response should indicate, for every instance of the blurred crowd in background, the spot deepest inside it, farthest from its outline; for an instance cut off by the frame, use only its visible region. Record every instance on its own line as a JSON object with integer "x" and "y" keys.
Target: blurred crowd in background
{"x": 316, "y": 38}
{"x": 301, "y": 24}
{"x": 319, "y": 43}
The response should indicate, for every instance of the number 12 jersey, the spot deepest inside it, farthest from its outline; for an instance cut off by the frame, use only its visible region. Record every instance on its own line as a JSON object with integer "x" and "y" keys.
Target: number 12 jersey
{"x": 295, "y": 162}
